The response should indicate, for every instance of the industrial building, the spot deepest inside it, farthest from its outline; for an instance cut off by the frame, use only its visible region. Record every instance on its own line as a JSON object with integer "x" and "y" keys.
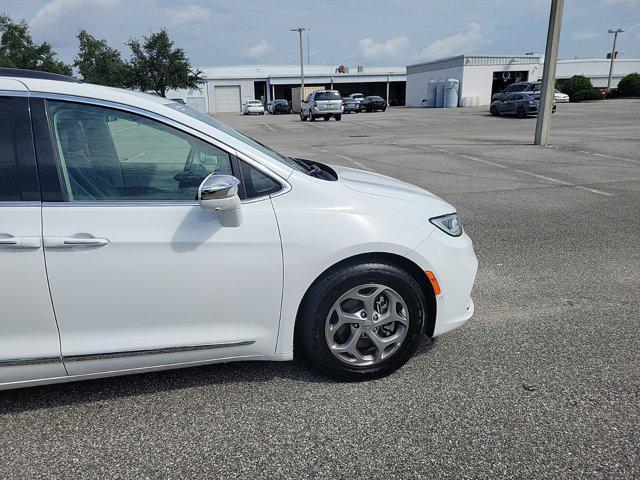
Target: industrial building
{"x": 597, "y": 69}
{"x": 226, "y": 88}
{"x": 481, "y": 76}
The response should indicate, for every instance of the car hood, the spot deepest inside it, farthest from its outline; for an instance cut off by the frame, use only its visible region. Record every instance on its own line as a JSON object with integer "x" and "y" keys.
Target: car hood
{"x": 382, "y": 186}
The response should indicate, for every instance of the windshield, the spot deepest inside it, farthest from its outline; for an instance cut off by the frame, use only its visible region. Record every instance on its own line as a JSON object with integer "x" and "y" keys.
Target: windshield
{"x": 223, "y": 127}
{"x": 280, "y": 102}
{"x": 536, "y": 87}
{"x": 328, "y": 96}
{"x": 254, "y": 102}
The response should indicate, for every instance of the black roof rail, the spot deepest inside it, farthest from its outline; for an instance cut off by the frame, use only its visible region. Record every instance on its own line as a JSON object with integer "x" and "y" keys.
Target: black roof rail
{"x": 23, "y": 73}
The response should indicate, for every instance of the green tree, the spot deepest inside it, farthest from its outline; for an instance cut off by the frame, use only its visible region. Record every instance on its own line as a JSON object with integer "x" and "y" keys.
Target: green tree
{"x": 157, "y": 66}
{"x": 576, "y": 84}
{"x": 629, "y": 85}
{"x": 98, "y": 63}
{"x": 18, "y": 50}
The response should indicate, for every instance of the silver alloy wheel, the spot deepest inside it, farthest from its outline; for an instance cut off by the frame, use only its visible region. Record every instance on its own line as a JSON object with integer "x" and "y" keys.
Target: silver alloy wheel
{"x": 367, "y": 325}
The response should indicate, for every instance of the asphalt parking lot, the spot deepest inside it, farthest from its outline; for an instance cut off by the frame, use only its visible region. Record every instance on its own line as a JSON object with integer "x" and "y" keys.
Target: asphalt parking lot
{"x": 544, "y": 381}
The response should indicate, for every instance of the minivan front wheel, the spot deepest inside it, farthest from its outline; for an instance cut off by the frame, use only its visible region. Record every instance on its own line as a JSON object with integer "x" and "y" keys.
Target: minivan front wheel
{"x": 361, "y": 321}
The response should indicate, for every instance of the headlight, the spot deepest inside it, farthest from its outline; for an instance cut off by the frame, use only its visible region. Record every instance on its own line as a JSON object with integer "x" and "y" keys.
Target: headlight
{"x": 448, "y": 224}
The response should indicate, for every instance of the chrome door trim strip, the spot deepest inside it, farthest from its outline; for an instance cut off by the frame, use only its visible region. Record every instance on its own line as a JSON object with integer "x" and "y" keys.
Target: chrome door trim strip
{"x": 14, "y": 93}
{"x": 156, "y": 351}
{"x": 19, "y": 203}
{"x": 23, "y": 362}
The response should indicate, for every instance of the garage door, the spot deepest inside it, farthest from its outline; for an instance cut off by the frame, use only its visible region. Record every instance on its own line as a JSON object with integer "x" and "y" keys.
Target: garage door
{"x": 227, "y": 99}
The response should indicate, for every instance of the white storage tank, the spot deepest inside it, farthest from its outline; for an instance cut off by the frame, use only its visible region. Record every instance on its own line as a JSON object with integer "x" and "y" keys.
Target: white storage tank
{"x": 451, "y": 87}
{"x": 440, "y": 93}
{"x": 431, "y": 93}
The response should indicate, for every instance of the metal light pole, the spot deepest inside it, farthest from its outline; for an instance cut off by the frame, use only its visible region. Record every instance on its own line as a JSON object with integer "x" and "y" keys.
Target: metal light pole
{"x": 300, "y": 30}
{"x": 549, "y": 74}
{"x": 613, "y": 54}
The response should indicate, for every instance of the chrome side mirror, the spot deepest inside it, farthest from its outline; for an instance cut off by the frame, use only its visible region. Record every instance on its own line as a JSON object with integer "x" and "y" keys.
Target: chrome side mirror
{"x": 220, "y": 193}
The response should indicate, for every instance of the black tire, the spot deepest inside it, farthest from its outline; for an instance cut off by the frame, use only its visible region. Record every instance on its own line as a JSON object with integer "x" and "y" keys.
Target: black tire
{"x": 302, "y": 117}
{"x": 520, "y": 113}
{"x": 311, "y": 116}
{"x": 326, "y": 118}
{"x": 319, "y": 300}
{"x": 494, "y": 111}
{"x": 338, "y": 118}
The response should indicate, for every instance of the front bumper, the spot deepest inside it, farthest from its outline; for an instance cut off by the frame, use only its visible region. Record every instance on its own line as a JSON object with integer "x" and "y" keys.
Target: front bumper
{"x": 453, "y": 262}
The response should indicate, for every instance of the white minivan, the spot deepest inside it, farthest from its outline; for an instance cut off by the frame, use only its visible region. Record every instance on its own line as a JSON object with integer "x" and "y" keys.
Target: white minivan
{"x": 137, "y": 234}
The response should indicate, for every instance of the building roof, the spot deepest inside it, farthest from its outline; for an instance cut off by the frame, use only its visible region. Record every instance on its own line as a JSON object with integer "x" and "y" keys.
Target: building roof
{"x": 267, "y": 71}
{"x": 474, "y": 60}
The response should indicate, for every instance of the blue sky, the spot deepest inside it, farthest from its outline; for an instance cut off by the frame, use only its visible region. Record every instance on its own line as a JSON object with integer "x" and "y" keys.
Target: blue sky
{"x": 350, "y": 32}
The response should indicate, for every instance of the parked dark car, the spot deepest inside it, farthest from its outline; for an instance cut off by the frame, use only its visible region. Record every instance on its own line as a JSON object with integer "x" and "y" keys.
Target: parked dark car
{"x": 525, "y": 87}
{"x": 373, "y": 103}
{"x": 350, "y": 105}
{"x": 518, "y": 104}
{"x": 278, "y": 106}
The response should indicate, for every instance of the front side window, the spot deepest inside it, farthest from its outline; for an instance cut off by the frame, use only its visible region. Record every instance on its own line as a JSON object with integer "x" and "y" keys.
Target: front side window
{"x": 110, "y": 155}
{"x": 223, "y": 127}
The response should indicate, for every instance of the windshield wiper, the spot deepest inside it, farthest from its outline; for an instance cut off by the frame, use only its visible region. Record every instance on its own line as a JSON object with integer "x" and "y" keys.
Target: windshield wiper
{"x": 310, "y": 168}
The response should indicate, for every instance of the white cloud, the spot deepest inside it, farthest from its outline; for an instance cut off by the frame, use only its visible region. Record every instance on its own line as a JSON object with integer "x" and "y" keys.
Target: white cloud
{"x": 258, "y": 51}
{"x": 187, "y": 16}
{"x": 620, "y": 2}
{"x": 389, "y": 50}
{"x": 580, "y": 36}
{"x": 455, "y": 44}
{"x": 54, "y": 10}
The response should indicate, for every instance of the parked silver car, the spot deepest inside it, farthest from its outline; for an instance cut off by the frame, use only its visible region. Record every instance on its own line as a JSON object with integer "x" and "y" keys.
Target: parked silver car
{"x": 322, "y": 104}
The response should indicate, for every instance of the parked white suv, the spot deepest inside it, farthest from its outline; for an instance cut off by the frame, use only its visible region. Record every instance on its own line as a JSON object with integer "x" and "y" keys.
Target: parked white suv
{"x": 322, "y": 104}
{"x": 251, "y": 107}
{"x": 138, "y": 234}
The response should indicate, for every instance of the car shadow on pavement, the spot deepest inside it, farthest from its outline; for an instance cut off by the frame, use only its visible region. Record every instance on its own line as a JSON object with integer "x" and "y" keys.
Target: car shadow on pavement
{"x": 105, "y": 389}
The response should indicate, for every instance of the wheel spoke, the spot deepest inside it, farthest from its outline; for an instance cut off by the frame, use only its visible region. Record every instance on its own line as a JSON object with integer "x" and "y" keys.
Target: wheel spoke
{"x": 368, "y": 299}
{"x": 344, "y": 318}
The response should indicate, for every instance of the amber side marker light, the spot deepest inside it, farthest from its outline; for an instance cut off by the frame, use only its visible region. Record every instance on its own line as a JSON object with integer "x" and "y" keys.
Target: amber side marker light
{"x": 434, "y": 282}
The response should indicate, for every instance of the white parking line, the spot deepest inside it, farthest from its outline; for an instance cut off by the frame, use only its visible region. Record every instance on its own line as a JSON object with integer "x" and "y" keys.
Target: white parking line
{"x": 349, "y": 159}
{"x": 525, "y": 172}
{"x": 269, "y": 127}
{"x": 609, "y": 156}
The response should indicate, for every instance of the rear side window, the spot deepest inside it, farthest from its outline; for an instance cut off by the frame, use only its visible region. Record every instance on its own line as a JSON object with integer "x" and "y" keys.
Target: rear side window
{"x": 18, "y": 180}
{"x": 328, "y": 96}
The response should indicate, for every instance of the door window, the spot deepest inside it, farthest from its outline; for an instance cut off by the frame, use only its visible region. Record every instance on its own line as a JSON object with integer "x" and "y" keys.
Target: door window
{"x": 110, "y": 155}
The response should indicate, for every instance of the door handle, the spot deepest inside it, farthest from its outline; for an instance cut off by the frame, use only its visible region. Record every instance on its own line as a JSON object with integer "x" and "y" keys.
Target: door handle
{"x": 20, "y": 242}
{"x": 72, "y": 242}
